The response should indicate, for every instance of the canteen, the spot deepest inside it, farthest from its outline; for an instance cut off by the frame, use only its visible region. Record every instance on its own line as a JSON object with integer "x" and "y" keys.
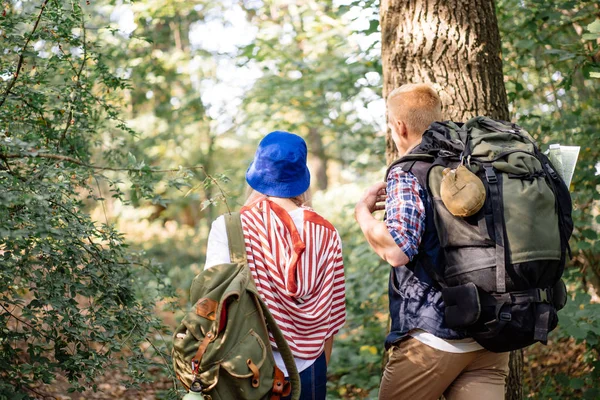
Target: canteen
{"x": 462, "y": 192}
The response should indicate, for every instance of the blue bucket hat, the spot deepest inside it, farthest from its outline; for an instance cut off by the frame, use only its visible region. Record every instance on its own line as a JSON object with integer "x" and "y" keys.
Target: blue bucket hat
{"x": 279, "y": 167}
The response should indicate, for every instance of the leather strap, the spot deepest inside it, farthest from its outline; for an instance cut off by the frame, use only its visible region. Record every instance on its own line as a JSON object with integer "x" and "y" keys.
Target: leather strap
{"x": 201, "y": 349}
{"x": 536, "y": 295}
{"x": 281, "y": 387}
{"x": 255, "y": 373}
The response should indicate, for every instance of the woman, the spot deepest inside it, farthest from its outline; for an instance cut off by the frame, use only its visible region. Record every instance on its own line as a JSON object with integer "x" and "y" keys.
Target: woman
{"x": 294, "y": 254}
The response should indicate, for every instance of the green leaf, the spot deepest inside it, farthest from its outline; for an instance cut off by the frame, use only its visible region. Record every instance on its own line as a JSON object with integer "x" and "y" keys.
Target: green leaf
{"x": 584, "y": 245}
{"x": 373, "y": 26}
{"x": 525, "y": 44}
{"x": 576, "y": 332}
{"x": 590, "y": 234}
{"x": 594, "y": 27}
{"x": 576, "y": 383}
{"x": 590, "y": 36}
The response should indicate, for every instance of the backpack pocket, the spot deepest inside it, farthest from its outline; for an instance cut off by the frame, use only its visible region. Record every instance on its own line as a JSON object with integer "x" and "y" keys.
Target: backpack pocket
{"x": 471, "y": 264}
{"x": 458, "y": 232}
{"x": 251, "y": 351}
{"x": 513, "y": 320}
{"x": 462, "y": 306}
{"x": 246, "y": 371}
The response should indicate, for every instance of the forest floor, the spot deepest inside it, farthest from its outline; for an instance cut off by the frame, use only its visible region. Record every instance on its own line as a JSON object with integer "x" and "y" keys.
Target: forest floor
{"x": 562, "y": 356}
{"x": 110, "y": 386}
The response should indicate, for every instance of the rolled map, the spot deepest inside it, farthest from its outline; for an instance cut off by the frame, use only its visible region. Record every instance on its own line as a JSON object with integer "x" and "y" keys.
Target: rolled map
{"x": 569, "y": 156}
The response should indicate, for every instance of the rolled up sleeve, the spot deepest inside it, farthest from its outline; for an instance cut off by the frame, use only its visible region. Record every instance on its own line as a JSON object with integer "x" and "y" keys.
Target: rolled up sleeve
{"x": 405, "y": 211}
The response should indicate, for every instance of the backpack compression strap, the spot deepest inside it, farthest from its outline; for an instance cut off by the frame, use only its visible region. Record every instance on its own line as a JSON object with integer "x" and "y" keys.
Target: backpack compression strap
{"x": 237, "y": 252}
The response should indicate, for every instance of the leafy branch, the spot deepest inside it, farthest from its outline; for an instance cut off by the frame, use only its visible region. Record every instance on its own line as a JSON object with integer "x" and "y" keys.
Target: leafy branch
{"x": 77, "y": 79}
{"x": 60, "y": 157}
{"x": 21, "y": 56}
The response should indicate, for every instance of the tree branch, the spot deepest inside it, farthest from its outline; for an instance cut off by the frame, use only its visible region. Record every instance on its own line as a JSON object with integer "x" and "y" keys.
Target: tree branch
{"x": 77, "y": 79}
{"x": 44, "y": 396}
{"x": 21, "y": 56}
{"x": 33, "y": 328}
{"x": 60, "y": 157}
{"x": 5, "y": 161}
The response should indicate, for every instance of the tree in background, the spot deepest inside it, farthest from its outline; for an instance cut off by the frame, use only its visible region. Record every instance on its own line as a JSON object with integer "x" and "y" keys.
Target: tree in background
{"x": 74, "y": 299}
{"x": 552, "y": 73}
{"x": 175, "y": 72}
{"x": 314, "y": 79}
{"x": 454, "y": 45}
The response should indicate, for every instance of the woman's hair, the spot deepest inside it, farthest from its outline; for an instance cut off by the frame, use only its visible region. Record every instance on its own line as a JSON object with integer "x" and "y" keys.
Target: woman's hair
{"x": 305, "y": 199}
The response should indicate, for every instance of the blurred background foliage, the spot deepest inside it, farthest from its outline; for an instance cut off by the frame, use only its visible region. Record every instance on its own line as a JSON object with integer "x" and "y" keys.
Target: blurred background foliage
{"x": 128, "y": 130}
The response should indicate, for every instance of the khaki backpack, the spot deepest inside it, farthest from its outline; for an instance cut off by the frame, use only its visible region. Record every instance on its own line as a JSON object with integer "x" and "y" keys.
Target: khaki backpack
{"x": 221, "y": 349}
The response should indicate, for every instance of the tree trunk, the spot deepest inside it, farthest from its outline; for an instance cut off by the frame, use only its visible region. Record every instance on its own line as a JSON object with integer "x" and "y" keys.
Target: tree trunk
{"x": 455, "y": 46}
{"x": 514, "y": 383}
{"x": 452, "y": 44}
{"x": 319, "y": 158}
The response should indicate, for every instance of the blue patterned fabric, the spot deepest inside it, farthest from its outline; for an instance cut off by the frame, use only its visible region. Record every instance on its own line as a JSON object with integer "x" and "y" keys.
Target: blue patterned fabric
{"x": 415, "y": 302}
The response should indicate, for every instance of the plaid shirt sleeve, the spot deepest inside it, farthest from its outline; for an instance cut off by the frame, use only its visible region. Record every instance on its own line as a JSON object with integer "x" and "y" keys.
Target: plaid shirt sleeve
{"x": 405, "y": 211}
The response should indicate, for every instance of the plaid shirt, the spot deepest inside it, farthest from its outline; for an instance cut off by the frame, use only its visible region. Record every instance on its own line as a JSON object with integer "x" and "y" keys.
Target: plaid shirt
{"x": 405, "y": 210}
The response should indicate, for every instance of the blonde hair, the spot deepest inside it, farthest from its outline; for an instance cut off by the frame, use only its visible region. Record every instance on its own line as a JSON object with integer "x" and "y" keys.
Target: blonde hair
{"x": 415, "y": 104}
{"x": 305, "y": 199}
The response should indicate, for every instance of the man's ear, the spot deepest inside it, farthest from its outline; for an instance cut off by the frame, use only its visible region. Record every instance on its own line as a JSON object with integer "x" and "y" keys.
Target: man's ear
{"x": 402, "y": 129}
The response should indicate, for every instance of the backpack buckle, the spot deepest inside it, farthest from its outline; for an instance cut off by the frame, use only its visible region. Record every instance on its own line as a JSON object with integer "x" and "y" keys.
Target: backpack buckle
{"x": 543, "y": 296}
{"x": 505, "y": 316}
{"x": 553, "y": 174}
{"x": 490, "y": 175}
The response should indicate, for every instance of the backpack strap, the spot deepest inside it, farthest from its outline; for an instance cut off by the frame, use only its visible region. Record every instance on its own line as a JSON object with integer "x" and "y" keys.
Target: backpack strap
{"x": 235, "y": 237}
{"x": 408, "y": 161}
{"x": 284, "y": 349}
{"x": 494, "y": 185}
{"x": 237, "y": 252}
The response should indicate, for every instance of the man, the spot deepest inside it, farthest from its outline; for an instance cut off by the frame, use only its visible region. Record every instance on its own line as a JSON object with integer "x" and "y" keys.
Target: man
{"x": 426, "y": 358}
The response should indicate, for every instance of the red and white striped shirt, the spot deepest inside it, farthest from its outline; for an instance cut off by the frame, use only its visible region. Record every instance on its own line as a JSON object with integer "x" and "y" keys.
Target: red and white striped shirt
{"x": 299, "y": 276}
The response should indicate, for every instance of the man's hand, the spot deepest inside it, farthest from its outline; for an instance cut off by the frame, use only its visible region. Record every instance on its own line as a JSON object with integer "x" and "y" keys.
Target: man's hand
{"x": 375, "y": 231}
{"x": 373, "y": 199}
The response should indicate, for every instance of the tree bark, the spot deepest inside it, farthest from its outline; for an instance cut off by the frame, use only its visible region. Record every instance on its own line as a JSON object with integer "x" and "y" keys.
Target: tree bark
{"x": 455, "y": 46}
{"x": 514, "y": 383}
{"x": 452, "y": 44}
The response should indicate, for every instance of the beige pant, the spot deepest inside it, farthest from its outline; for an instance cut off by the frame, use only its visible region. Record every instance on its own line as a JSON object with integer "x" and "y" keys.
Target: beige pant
{"x": 416, "y": 371}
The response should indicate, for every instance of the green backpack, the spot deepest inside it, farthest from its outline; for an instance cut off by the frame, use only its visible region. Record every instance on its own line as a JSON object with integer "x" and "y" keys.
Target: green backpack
{"x": 500, "y": 269}
{"x": 221, "y": 349}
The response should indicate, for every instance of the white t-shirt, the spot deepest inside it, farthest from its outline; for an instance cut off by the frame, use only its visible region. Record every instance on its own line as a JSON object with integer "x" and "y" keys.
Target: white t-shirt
{"x": 217, "y": 252}
{"x": 451, "y": 346}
